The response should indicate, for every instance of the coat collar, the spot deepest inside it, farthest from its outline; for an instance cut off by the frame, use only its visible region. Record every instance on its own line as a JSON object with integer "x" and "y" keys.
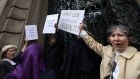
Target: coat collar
{"x": 10, "y": 61}
{"x": 129, "y": 52}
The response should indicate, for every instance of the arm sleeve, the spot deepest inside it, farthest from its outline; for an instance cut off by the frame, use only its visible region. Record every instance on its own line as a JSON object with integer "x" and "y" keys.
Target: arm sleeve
{"x": 2, "y": 70}
{"x": 92, "y": 43}
{"x": 16, "y": 59}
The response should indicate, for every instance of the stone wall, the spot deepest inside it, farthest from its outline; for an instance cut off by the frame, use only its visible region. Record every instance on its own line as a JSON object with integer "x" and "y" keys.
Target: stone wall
{"x": 18, "y": 13}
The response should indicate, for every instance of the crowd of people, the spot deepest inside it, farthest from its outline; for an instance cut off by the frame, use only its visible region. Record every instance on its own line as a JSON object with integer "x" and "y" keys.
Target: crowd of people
{"x": 119, "y": 60}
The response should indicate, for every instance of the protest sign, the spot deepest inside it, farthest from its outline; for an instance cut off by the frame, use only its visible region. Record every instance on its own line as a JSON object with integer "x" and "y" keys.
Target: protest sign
{"x": 70, "y": 20}
{"x": 31, "y": 32}
{"x": 49, "y": 23}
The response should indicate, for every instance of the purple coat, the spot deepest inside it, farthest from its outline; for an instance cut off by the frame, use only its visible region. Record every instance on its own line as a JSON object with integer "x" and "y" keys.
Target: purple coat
{"x": 31, "y": 64}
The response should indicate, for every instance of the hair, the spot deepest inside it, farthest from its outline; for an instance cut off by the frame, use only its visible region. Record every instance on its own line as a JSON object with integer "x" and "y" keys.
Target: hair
{"x": 123, "y": 28}
{"x": 32, "y": 41}
{"x": 5, "y": 49}
{"x": 53, "y": 36}
{"x": 3, "y": 54}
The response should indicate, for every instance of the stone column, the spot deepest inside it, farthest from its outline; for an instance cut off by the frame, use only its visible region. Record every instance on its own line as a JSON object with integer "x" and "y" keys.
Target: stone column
{"x": 2, "y": 5}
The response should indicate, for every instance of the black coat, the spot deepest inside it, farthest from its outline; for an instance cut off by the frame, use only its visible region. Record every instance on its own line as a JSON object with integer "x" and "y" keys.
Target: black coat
{"x": 6, "y": 66}
{"x": 81, "y": 62}
{"x": 55, "y": 58}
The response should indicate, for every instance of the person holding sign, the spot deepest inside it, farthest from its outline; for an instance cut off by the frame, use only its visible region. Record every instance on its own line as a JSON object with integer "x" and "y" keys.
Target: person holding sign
{"x": 8, "y": 61}
{"x": 119, "y": 59}
{"x": 55, "y": 59}
{"x": 31, "y": 63}
{"x": 79, "y": 63}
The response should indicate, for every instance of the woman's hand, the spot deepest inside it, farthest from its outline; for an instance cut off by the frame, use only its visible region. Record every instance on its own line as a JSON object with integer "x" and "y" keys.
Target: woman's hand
{"x": 56, "y": 25}
{"x": 81, "y": 26}
{"x": 25, "y": 46}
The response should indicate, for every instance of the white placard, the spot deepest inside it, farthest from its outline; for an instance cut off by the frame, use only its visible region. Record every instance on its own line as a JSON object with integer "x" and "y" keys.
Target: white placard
{"x": 70, "y": 20}
{"x": 31, "y": 32}
{"x": 49, "y": 23}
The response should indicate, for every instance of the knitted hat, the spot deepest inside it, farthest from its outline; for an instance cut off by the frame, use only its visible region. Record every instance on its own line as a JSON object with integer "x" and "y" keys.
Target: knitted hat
{"x": 7, "y": 47}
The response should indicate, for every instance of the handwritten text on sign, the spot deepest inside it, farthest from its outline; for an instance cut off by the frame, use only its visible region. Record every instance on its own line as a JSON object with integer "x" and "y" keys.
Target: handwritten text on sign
{"x": 31, "y": 32}
{"x": 70, "y": 20}
{"x": 49, "y": 23}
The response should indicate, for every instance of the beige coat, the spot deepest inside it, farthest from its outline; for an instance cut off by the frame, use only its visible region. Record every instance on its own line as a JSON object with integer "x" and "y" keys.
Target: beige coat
{"x": 128, "y": 62}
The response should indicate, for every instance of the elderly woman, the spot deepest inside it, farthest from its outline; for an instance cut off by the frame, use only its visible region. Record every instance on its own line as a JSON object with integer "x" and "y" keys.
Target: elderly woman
{"x": 8, "y": 59}
{"x": 119, "y": 59}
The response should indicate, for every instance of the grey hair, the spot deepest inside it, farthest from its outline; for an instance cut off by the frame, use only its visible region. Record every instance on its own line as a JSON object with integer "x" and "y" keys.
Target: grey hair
{"x": 123, "y": 28}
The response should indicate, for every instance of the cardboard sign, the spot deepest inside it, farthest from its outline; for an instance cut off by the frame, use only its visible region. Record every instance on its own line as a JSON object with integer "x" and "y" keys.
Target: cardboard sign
{"x": 70, "y": 20}
{"x": 49, "y": 23}
{"x": 31, "y": 32}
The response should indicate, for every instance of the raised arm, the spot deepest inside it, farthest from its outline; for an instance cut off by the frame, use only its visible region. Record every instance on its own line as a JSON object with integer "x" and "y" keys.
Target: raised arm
{"x": 90, "y": 41}
{"x": 17, "y": 57}
{"x": 25, "y": 46}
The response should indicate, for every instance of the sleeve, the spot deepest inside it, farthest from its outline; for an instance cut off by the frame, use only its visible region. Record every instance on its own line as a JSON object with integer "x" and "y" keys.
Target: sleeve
{"x": 16, "y": 59}
{"x": 2, "y": 71}
{"x": 92, "y": 43}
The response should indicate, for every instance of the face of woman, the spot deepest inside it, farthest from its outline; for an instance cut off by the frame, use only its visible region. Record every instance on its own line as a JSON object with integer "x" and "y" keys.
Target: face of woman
{"x": 118, "y": 40}
{"x": 10, "y": 53}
